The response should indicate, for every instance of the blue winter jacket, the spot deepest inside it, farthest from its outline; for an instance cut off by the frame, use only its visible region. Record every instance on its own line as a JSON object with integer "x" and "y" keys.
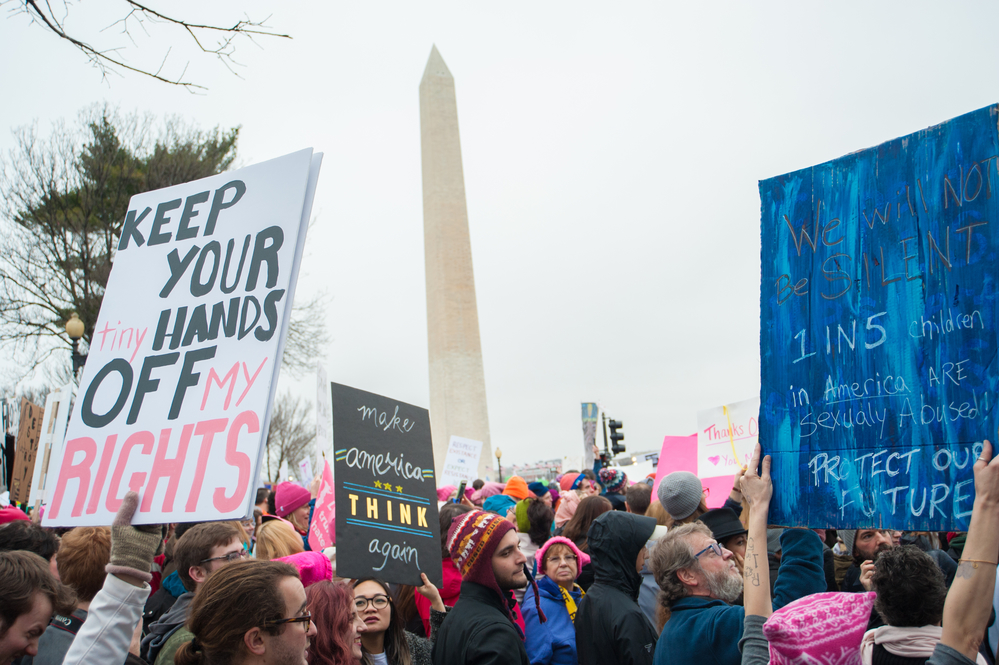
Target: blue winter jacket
{"x": 555, "y": 640}
{"x": 707, "y": 631}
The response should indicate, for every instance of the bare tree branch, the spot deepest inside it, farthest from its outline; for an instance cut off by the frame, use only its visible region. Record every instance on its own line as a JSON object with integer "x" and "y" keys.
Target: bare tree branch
{"x": 308, "y": 336}
{"x": 107, "y": 60}
{"x": 291, "y": 433}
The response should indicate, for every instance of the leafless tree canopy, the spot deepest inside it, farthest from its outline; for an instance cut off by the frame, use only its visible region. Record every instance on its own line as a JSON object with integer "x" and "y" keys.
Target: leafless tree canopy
{"x": 137, "y": 20}
{"x": 307, "y": 336}
{"x": 63, "y": 200}
{"x": 292, "y": 431}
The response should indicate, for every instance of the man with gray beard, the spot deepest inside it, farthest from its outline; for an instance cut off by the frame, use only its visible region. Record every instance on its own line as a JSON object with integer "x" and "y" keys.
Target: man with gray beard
{"x": 698, "y": 580}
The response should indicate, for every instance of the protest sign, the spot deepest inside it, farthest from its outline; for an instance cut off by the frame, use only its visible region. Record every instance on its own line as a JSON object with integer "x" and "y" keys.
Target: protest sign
{"x": 386, "y": 495}
{"x": 570, "y": 462}
{"x": 461, "y": 462}
{"x": 679, "y": 453}
{"x": 322, "y": 530}
{"x": 305, "y": 474}
{"x": 591, "y": 412}
{"x": 25, "y": 450}
{"x": 878, "y": 320}
{"x": 51, "y": 440}
{"x": 726, "y": 436}
{"x": 182, "y": 367}
{"x": 324, "y": 417}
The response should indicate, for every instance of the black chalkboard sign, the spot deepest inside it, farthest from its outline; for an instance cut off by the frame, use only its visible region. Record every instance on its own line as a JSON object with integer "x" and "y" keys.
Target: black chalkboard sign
{"x": 386, "y": 491}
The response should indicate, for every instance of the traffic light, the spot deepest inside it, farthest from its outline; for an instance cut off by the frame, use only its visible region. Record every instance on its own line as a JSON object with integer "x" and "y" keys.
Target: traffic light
{"x": 616, "y": 436}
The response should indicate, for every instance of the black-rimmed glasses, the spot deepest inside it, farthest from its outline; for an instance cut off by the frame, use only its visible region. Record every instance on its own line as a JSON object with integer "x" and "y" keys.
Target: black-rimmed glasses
{"x": 305, "y": 618}
{"x": 228, "y": 558}
{"x": 714, "y": 547}
{"x": 380, "y": 601}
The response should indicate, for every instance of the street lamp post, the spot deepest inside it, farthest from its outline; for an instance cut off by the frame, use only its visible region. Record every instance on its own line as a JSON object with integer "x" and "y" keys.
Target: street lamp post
{"x": 499, "y": 465}
{"x": 75, "y": 329}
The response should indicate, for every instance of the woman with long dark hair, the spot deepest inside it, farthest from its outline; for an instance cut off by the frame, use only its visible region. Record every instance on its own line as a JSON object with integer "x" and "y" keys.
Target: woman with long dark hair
{"x": 338, "y": 626}
{"x": 385, "y": 641}
{"x": 576, "y": 529}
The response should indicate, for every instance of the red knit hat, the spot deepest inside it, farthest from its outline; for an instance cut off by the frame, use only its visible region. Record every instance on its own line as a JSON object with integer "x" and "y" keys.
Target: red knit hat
{"x": 289, "y": 497}
{"x": 570, "y": 481}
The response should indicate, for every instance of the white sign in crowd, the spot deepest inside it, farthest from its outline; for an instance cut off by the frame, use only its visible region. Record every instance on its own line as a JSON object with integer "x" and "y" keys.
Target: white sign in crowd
{"x": 461, "y": 462}
{"x": 175, "y": 398}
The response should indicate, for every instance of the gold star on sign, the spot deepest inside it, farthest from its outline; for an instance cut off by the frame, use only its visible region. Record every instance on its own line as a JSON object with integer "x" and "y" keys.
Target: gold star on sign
{"x": 378, "y": 484}
{"x": 398, "y": 488}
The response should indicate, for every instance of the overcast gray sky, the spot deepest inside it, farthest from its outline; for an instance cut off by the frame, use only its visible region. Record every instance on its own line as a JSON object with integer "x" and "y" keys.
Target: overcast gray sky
{"x": 611, "y": 158}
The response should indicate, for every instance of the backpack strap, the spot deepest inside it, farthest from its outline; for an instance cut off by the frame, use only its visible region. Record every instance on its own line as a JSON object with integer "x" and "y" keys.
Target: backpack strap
{"x": 70, "y": 624}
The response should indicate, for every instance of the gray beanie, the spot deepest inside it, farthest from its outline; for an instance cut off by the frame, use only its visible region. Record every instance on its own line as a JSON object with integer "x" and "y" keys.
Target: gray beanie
{"x": 848, "y": 536}
{"x": 680, "y": 493}
{"x": 773, "y": 540}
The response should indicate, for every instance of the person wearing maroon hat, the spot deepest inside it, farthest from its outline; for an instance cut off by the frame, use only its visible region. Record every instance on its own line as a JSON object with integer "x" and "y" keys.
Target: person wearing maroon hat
{"x": 481, "y": 627}
{"x": 295, "y": 504}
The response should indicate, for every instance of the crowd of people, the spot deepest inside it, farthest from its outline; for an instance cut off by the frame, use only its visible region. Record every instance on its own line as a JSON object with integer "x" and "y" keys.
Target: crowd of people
{"x": 591, "y": 568}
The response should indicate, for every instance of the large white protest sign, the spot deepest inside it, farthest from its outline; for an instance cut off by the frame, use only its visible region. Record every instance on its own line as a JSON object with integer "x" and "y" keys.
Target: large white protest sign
{"x": 726, "y": 436}
{"x": 176, "y": 395}
{"x": 461, "y": 462}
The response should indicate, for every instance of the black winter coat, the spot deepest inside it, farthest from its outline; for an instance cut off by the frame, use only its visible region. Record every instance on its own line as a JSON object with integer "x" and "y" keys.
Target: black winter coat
{"x": 610, "y": 626}
{"x": 477, "y": 631}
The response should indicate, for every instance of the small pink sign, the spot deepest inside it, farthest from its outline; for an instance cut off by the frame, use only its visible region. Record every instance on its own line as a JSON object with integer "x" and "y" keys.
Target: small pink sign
{"x": 679, "y": 453}
{"x": 322, "y": 532}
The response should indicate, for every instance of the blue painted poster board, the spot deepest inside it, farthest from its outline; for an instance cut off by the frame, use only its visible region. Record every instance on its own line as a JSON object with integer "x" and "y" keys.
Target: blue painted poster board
{"x": 877, "y": 337}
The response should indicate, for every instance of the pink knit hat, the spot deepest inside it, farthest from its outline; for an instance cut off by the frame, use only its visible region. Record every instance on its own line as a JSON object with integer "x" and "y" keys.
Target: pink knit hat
{"x": 444, "y": 493}
{"x": 312, "y": 567}
{"x": 289, "y": 497}
{"x": 822, "y": 628}
{"x": 12, "y": 514}
{"x": 488, "y": 490}
{"x": 582, "y": 558}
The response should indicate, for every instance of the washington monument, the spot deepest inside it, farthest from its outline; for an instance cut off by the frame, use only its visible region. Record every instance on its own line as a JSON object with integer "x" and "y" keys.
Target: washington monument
{"x": 457, "y": 382}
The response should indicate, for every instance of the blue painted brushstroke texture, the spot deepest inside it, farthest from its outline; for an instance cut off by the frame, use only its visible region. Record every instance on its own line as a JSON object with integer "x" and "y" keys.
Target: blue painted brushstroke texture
{"x": 878, "y": 330}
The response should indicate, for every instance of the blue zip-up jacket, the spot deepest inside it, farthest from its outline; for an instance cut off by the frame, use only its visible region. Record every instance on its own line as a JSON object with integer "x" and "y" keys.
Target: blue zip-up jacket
{"x": 552, "y": 642}
{"x": 707, "y": 631}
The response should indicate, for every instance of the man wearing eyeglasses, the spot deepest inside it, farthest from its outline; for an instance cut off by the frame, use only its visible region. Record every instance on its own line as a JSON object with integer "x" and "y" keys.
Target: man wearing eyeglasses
{"x": 699, "y": 581}
{"x": 201, "y": 551}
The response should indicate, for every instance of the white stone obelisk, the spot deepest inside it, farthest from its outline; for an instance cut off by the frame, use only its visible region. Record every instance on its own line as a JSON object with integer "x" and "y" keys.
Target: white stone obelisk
{"x": 457, "y": 381}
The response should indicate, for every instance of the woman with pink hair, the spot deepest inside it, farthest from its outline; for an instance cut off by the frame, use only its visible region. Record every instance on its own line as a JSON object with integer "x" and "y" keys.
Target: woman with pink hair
{"x": 339, "y": 628}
